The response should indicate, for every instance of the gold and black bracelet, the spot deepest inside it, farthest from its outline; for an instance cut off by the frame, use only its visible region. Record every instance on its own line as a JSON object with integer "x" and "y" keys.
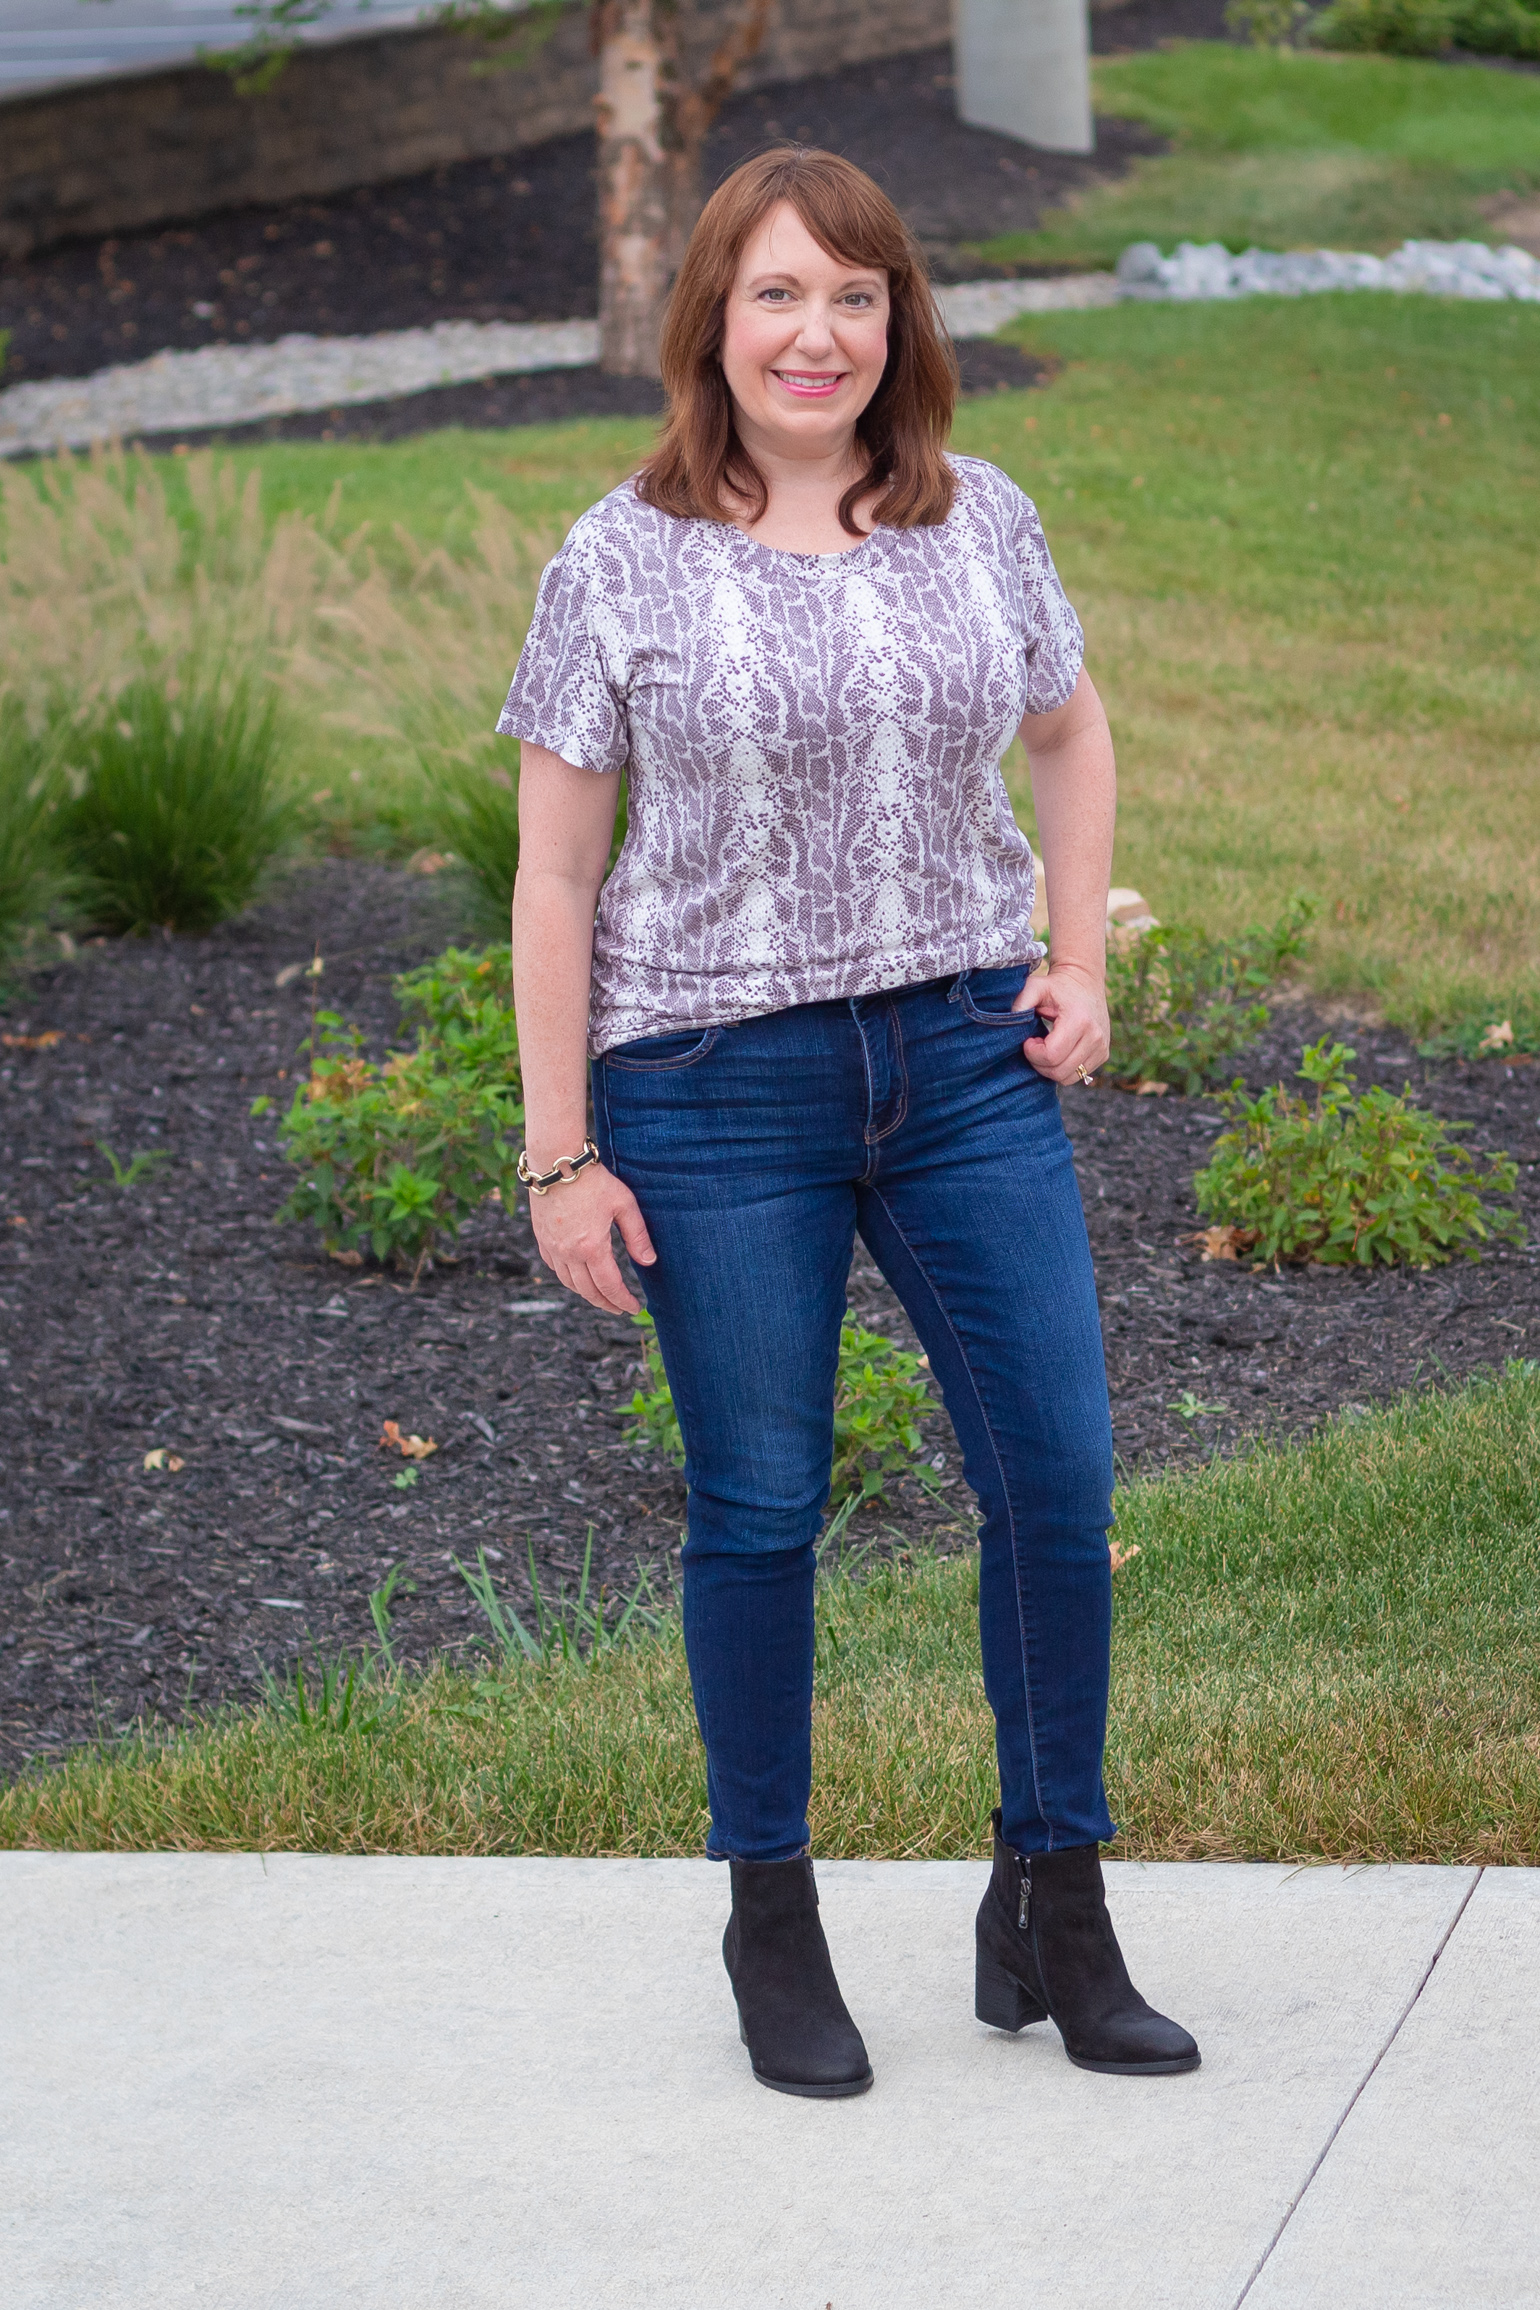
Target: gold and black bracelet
{"x": 562, "y": 1172}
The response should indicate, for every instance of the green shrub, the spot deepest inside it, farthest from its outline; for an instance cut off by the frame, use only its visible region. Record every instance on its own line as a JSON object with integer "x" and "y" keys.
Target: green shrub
{"x": 1183, "y": 1003}
{"x": 31, "y": 877}
{"x": 1268, "y": 23}
{"x": 462, "y": 1002}
{"x": 880, "y": 1397}
{"x": 1348, "y": 1179}
{"x": 176, "y": 813}
{"x": 1430, "y": 27}
{"x": 395, "y": 1156}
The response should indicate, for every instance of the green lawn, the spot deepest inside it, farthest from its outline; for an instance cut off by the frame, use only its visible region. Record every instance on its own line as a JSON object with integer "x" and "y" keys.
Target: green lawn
{"x": 1302, "y": 538}
{"x": 1321, "y": 1651}
{"x": 1291, "y": 151}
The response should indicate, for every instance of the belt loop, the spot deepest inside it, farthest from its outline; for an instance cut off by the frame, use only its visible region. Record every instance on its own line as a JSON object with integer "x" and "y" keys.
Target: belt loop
{"x": 954, "y": 991}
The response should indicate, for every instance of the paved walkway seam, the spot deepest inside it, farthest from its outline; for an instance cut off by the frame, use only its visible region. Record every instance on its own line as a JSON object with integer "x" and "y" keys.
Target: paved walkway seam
{"x": 1357, "y": 2094}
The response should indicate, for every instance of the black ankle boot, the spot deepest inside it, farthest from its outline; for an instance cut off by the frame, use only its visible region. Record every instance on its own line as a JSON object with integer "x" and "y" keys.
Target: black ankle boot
{"x": 791, "y": 2015}
{"x": 1046, "y": 1948}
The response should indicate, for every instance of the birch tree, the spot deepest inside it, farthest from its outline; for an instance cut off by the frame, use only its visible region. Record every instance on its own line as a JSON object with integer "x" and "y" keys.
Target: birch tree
{"x": 651, "y": 120}
{"x": 652, "y": 127}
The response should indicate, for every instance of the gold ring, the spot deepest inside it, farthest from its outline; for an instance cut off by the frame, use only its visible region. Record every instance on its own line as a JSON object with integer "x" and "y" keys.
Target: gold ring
{"x": 1088, "y": 1080}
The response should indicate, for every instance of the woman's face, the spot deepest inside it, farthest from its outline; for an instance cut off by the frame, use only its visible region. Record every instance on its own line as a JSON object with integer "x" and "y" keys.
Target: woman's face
{"x": 805, "y": 339}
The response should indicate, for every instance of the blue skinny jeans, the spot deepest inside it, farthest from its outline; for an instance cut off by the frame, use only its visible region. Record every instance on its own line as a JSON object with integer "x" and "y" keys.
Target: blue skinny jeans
{"x": 757, "y": 1152}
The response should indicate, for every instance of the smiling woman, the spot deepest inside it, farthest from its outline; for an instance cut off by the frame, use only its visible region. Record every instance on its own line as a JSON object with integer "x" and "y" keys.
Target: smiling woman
{"x": 806, "y": 634}
{"x": 804, "y": 325}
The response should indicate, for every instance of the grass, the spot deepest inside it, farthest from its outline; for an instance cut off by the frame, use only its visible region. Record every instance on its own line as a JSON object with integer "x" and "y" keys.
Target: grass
{"x": 1289, "y": 150}
{"x": 1322, "y": 1651}
{"x": 385, "y": 654}
{"x": 1298, "y": 532}
{"x": 31, "y": 876}
{"x": 1299, "y": 535}
{"x": 179, "y": 814}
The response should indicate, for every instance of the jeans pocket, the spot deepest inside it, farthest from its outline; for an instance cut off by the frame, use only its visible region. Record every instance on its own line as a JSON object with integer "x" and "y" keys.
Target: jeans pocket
{"x": 987, "y": 996}
{"x": 657, "y": 1054}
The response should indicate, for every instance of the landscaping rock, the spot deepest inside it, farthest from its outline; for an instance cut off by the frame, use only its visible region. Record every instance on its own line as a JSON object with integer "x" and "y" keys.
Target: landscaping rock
{"x": 1194, "y": 274}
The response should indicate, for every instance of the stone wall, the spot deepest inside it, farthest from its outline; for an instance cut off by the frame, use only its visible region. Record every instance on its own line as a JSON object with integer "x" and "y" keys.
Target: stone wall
{"x": 109, "y": 156}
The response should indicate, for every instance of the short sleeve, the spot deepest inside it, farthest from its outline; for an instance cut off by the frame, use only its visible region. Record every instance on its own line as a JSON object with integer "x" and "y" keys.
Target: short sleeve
{"x": 562, "y": 695}
{"x": 1054, "y": 640}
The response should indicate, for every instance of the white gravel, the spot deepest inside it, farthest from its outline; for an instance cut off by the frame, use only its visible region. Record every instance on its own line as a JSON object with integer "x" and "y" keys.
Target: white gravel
{"x": 237, "y": 384}
{"x": 234, "y": 384}
{"x": 979, "y": 308}
{"x": 1437, "y": 268}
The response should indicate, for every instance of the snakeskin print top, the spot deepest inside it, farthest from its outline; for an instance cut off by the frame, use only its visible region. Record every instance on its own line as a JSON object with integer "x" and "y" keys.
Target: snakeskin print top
{"x": 813, "y": 747}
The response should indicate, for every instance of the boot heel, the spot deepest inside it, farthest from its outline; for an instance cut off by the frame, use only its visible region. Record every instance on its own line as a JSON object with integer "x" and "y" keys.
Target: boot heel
{"x": 999, "y": 1999}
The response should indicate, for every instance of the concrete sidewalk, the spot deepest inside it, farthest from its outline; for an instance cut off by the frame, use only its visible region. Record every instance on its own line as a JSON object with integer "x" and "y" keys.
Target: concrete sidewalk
{"x": 441, "y": 2084}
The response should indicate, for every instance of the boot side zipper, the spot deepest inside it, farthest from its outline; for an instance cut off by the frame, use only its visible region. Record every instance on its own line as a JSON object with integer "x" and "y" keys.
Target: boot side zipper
{"x": 1024, "y": 1904}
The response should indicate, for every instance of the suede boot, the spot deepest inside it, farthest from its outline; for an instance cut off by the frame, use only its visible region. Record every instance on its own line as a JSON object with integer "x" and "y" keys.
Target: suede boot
{"x": 1045, "y": 1949}
{"x": 791, "y": 2015}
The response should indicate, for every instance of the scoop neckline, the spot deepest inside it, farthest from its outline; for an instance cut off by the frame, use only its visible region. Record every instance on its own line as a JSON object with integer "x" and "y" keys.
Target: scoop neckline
{"x": 817, "y": 561}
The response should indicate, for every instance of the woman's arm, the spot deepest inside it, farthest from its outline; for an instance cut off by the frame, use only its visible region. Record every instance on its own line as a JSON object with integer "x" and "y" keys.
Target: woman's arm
{"x": 566, "y": 818}
{"x": 1074, "y": 785}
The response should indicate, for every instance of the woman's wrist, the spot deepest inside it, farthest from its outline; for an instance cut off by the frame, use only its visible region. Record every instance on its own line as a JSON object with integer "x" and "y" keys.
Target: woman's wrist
{"x": 1093, "y": 973}
{"x": 546, "y": 1143}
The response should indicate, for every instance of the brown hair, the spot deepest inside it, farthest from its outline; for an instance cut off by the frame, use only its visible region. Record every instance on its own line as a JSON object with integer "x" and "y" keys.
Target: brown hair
{"x": 903, "y": 428}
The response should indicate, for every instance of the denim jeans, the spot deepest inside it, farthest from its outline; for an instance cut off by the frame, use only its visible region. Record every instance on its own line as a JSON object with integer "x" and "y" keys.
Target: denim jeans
{"x": 757, "y": 1152}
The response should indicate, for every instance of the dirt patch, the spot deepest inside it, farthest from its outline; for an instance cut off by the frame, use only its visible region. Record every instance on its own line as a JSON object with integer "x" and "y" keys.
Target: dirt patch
{"x": 173, "y": 1316}
{"x": 1517, "y": 217}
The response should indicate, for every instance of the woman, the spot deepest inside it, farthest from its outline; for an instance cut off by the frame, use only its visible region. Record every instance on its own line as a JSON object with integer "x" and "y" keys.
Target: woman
{"x": 808, "y": 635}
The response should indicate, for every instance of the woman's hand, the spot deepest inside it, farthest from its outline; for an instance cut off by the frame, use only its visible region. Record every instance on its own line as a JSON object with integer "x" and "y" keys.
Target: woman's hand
{"x": 572, "y": 1228}
{"x": 1072, "y": 1003}
{"x": 1075, "y": 785}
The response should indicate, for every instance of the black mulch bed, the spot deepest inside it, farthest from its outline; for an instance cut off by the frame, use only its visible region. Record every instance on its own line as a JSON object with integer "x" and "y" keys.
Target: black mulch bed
{"x": 512, "y": 239}
{"x": 173, "y": 1315}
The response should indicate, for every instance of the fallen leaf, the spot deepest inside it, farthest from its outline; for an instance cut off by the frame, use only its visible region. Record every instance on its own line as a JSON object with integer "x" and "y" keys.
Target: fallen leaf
{"x": 1120, "y": 1555}
{"x": 301, "y": 970}
{"x": 347, "y": 1258}
{"x": 1223, "y": 1242}
{"x": 1496, "y": 1038}
{"x": 1148, "y": 1087}
{"x": 18, "y": 1221}
{"x": 161, "y": 1458}
{"x": 429, "y": 861}
{"x": 410, "y": 1447}
{"x": 42, "y": 1042}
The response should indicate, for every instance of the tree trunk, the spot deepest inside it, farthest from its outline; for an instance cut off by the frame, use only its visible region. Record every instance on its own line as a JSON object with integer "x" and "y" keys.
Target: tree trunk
{"x": 650, "y": 136}
{"x": 637, "y": 64}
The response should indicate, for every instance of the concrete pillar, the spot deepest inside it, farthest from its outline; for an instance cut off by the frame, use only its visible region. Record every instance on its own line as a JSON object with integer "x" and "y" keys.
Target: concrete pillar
{"x": 1023, "y": 68}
